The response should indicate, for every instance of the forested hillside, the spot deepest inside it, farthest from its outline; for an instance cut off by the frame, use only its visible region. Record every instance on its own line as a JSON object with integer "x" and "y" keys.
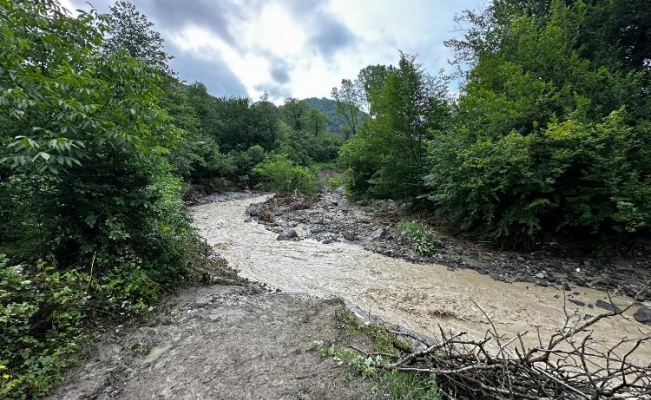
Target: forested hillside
{"x": 336, "y": 118}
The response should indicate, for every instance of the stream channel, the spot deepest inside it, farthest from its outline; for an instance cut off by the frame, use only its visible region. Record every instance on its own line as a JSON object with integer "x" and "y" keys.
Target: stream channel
{"x": 419, "y": 297}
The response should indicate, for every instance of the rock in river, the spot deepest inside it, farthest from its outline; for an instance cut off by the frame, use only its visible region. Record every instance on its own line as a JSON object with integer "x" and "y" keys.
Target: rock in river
{"x": 643, "y": 315}
{"x": 607, "y": 306}
{"x": 290, "y": 234}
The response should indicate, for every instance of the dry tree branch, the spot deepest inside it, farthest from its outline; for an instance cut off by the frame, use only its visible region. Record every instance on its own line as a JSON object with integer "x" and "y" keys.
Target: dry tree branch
{"x": 572, "y": 365}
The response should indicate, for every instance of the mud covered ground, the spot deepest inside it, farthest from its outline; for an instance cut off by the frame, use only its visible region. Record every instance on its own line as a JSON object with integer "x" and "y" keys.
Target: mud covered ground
{"x": 225, "y": 342}
{"x": 330, "y": 217}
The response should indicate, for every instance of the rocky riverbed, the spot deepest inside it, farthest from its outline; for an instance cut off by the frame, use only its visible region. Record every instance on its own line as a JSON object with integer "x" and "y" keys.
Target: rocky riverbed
{"x": 330, "y": 217}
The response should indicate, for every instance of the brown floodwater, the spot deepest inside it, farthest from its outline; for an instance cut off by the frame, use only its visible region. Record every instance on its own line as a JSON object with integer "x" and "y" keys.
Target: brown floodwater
{"x": 417, "y": 296}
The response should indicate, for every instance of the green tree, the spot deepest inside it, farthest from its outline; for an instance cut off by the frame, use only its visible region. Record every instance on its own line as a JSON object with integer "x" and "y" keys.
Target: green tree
{"x": 196, "y": 158}
{"x": 387, "y": 158}
{"x": 241, "y": 124}
{"x": 336, "y": 121}
{"x": 130, "y": 30}
{"x": 316, "y": 122}
{"x": 349, "y": 100}
{"x": 551, "y": 131}
{"x": 294, "y": 112}
{"x": 82, "y": 138}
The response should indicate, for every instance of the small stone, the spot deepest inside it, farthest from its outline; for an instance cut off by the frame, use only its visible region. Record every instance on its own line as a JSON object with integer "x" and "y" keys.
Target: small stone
{"x": 379, "y": 234}
{"x": 567, "y": 287}
{"x": 588, "y": 317}
{"x": 643, "y": 315}
{"x": 541, "y": 275}
{"x": 288, "y": 234}
{"x": 607, "y": 306}
{"x": 348, "y": 235}
{"x": 577, "y": 302}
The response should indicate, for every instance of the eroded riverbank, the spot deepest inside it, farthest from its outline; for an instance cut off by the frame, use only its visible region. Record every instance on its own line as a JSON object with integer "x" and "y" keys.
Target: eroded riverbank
{"x": 417, "y": 296}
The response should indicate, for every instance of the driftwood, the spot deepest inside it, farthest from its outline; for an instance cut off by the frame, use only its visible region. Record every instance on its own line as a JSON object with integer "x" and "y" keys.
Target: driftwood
{"x": 570, "y": 364}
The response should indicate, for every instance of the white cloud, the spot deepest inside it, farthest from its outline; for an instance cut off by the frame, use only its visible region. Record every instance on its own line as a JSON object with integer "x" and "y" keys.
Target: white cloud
{"x": 301, "y": 48}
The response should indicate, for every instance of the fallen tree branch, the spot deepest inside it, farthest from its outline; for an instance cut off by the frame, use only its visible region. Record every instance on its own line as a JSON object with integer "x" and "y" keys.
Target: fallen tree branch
{"x": 572, "y": 365}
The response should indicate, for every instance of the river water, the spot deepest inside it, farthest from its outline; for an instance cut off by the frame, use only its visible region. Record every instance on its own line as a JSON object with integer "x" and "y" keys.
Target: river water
{"x": 416, "y": 296}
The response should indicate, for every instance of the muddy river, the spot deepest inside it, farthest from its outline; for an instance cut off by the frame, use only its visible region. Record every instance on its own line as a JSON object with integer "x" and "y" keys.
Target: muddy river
{"x": 419, "y": 297}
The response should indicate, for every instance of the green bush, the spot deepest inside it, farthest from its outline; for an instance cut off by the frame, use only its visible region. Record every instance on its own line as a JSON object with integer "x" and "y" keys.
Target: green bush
{"x": 85, "y": 186}
{"x": 244, "y": 162}
{"x": 360, "y": 160}
{"x": 423, "y": 240}
{"x": 574, "y": 176}
{"x": 280, "y": 175}
{"x": 42, "y": 313}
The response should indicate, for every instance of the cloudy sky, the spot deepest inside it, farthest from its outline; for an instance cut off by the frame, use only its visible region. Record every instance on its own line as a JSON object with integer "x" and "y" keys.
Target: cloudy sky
{"x": 294, "y": 48}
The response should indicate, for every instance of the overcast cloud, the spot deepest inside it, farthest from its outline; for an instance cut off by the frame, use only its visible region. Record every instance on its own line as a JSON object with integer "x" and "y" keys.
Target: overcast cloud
{"x": 294, "y": 48}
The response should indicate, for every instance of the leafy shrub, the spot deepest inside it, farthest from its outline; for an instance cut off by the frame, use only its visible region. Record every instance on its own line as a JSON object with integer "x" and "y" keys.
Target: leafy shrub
{"x": 87, "y": 190}
{"x": 336, "y": 182}
{"x": 280, "y": 175}
{"x": 360, "y": 160}
{"x": 41, "y": 315}
{"x": 244, "y": 162}
{"x": 590, "y": 178}
{"x": 424, "y": 241}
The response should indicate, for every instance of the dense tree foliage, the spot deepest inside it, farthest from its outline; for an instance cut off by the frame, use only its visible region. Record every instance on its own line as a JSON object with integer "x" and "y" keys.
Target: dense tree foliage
{"x": 90, "y": 214}
{"x": 349, "y": 100}
{"x": 552, "y": 130}
{"x": 130, "y": 30}
{"x": 387, "y": 156}
{"x": 227, "y": 137}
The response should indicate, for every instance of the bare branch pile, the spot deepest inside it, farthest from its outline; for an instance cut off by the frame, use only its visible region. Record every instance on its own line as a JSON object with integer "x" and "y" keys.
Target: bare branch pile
{"x": 571, "y": 364}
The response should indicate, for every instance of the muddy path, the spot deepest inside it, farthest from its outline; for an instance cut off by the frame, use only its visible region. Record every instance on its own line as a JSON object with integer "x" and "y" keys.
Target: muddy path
{"x": 419, "y": 296}
{"x": 224, "y": 342}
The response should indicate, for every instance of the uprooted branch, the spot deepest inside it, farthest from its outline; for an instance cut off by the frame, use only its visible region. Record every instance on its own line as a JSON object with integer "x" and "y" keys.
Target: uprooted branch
{"x": 570, "y": 365}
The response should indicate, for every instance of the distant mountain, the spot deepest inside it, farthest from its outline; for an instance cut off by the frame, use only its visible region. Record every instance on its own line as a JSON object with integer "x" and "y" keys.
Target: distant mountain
{"x": 327, "y": 106}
